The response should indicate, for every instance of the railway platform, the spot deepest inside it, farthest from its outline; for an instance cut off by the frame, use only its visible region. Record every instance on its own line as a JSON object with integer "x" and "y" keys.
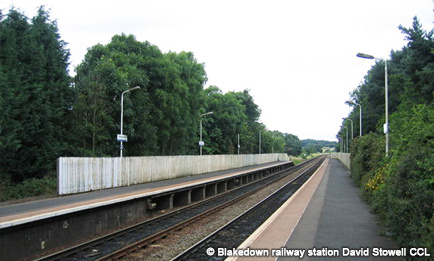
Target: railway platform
{"x": 45, "y": 226}
{"x": 11, "y": 215}
{"x": 324, "y": 220}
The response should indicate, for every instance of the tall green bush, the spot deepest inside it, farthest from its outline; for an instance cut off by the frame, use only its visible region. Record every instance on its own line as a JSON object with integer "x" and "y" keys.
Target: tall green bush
{"x": 411, "y": 177}
{"x": 400, "y": 188}
{"x": 367, "y": 152}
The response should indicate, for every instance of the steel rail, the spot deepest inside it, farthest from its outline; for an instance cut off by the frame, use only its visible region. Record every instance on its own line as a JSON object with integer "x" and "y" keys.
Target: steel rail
{"x": 152, "y": 238}
{"x": 186, "y": 255}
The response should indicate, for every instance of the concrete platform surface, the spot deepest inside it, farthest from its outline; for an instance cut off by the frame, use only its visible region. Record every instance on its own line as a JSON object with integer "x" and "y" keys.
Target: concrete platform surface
{"x": 324, "y": 220}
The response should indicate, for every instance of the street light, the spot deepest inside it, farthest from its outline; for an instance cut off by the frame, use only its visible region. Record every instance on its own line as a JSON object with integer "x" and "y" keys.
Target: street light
{"x": 386, "y": 98}
{"x": 356, "y": 104}
{"x": 123, "y": 137}
{"x": 347, "y": 138}
{"x": 238, "y": 144}
{"x": 260, "y": 136}
{"x": 352, "y": 130}
{"x": 201, "y": 143}
{"x": 360, "y": 118}
{"x": 365, "y": 56}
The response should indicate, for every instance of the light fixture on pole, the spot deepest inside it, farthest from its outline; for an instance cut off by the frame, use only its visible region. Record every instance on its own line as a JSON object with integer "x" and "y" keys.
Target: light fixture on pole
{"x": 360, "y": 113}
{"x": 259, "y": 142}
{"x": 365, "y": 56}
{"x": 201, "y": 143}
{"x": 121, "y": 137}
{"x": 386, "y": 98}
{"x": 347, "y": 137}
{"x": 352, "y": 128}
{"x": 360, "y": 118}
{"x": 238, "y": 144}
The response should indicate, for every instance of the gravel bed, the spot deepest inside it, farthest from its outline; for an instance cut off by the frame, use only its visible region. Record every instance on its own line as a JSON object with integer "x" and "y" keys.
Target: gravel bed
{"x": 180, "y": 241}
{"x": 237, "y": 232}
{"x": 141, "y": 231}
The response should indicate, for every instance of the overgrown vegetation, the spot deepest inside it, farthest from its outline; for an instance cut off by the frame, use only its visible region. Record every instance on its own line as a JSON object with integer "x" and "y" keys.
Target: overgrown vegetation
{"x": 400, "y": 186}
{"x": 310, "y": 146}
{"x": 46, "y": 114}
{"x": 44, "y": 187}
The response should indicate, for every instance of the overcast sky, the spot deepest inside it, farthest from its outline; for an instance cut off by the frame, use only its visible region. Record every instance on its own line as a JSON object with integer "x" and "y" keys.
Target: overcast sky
{"x": 298, "y": 58}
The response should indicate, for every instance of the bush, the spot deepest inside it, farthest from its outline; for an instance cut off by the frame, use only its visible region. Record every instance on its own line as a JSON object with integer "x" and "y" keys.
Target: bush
{"x": 374, "y": 183}
{"x": 407, "y": 199}
{"x": 400, "y": 188}
{"x": 367, "y": 153}
{"x": 46, "y": 186}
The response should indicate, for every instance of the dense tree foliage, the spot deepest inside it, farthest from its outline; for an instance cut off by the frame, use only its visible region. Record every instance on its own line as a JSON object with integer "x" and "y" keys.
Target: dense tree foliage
{"x": 410, "y": 76}
{"x": 35, "y": 95}
{"x": 221, "y": 128}
{"x": 45, "y": 114}
{"x": 160, "y": 119}
{"x": 399, "y": 186}
{"x": 236, "y": 115}
{"x": 292, "y": 144}
{"x": 312, "y": 146}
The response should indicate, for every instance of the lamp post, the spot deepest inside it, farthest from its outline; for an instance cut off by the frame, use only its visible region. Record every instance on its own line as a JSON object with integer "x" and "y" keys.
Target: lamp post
{"x": 201, "y": 143}
{"x": 259, "y": 142}
{"x": 123, "y": 137}
{"x": 356, "y": 104}
{"x": 386, "y": 98}
{"x": 352, "y": 130}
{"x": 347, "y": 137}
{"x": 360, "y": 118}
{"x": 238, "y": 144}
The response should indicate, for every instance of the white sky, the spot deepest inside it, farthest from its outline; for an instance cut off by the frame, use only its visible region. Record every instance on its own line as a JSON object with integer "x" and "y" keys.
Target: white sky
{"x": 298, "y": 58}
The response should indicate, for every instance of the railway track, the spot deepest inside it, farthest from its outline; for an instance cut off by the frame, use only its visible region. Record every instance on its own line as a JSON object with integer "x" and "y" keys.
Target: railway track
{"x": 239, "y": 229}
{"x": 119, "y": 244}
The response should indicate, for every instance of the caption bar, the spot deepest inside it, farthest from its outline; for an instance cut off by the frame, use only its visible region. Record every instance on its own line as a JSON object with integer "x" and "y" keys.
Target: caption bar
{"x": 318, "y": 252}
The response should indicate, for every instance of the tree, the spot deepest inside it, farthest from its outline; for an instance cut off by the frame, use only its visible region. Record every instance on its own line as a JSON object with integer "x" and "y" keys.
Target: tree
{"x": 418, "y": 60}
{"x": 274, "y": 142}
{"x": 292, "y": 144}
{"x": 187, "y": 100}
{"x": 411, "y": 81}
{"x": 36, "y": 93}
{"x": 159, "y": 119}
{"x": 251, "y": 108}
{"x": 249, "y": 133}
{"x": 226, "y": 122}
{"x": 399, "y": 186}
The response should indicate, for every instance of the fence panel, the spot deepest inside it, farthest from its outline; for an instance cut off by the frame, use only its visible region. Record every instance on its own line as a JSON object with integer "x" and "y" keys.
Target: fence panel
{"x": 343, "y": 157}
{"x": 76, "y": 175}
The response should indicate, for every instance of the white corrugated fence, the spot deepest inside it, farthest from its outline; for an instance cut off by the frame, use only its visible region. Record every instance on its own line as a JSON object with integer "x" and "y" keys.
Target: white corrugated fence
{"x": 76, "y": 175}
